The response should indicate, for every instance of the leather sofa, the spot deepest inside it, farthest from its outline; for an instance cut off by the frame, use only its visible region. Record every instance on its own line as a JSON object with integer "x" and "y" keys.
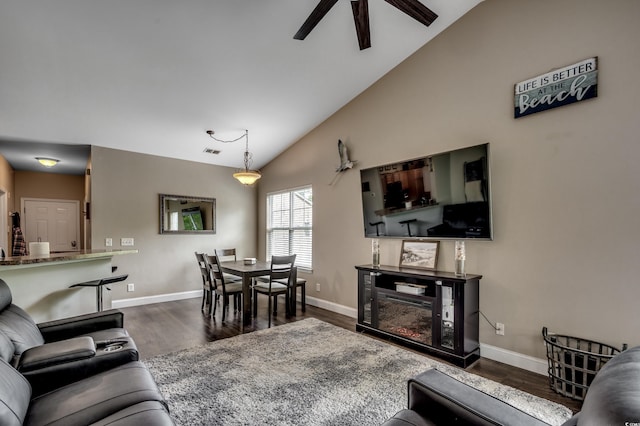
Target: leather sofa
{"x": 75, "y": 371}
{"x": 58, "y": 352}
{"x": 125, "y": 395}
{"x": 435, "y": 398}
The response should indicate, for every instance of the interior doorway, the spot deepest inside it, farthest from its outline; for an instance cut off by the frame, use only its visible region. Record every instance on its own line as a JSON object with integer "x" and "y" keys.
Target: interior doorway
{"x": 53, "y": 221}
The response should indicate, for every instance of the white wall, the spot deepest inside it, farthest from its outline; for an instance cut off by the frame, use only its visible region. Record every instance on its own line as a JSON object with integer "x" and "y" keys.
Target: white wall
{"x": 564, "y": 182}
{"x": 125, "y": 188}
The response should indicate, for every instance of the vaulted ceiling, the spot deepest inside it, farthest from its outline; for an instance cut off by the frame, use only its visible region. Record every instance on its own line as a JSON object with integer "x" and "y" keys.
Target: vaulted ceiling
{"x": 151, "y": 76}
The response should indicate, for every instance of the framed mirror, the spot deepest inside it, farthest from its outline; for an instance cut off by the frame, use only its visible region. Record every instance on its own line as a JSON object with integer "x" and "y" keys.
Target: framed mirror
{"x": 180, "y": 214}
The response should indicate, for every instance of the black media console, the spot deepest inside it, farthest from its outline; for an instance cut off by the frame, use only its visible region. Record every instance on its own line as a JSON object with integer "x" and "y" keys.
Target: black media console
{"x": 432, "y": 311}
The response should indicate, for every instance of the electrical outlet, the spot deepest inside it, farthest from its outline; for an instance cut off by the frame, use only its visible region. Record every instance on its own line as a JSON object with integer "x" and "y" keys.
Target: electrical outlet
{"x": 126, "y": 242}
{"x": 317, "y": 286}
{"x": 108, "y": 242}
{"x": 131, "y": 287}
{"x": 500, "y": 329}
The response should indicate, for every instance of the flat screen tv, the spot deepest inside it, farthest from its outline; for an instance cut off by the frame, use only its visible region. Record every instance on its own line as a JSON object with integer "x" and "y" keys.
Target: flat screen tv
{"x": 439, "y": 196}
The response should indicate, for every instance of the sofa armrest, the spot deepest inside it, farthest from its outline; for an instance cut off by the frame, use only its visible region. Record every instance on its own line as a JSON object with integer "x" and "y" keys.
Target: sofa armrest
{"x": 442, "y": 399}
{"x": 82, "y": 324}
{"x": 73, "y": 365}
{"x": 55, "y": 353}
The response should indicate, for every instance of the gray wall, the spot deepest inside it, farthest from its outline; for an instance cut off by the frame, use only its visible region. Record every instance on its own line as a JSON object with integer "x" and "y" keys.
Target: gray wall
{"x": 125, "y": 192}
{"x": 565, "y": 188}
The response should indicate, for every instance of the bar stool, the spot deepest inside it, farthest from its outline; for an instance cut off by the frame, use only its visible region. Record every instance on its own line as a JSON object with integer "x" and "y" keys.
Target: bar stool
{"x": 408, "y": 223}
{"x": 98, "y": 284}
{"x": 376, "y": 224}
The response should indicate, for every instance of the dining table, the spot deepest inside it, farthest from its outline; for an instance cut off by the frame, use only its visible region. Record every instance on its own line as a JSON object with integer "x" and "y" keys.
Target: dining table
{"x": 248, "y": 271}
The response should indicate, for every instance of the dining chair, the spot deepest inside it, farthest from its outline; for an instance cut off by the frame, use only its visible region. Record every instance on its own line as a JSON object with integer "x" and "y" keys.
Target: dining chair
{"x": 207, "y": 288}
{"x": 228, "y": 254}
{"x": 278, "y": 282}
{"x": 300, "y": 283}
{"x": 221, "y": 288}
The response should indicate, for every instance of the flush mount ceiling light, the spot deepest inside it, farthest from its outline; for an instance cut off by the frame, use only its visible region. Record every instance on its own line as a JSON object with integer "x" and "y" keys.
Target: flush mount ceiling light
{"x": 246, "y": 176}
{"x": 47, "y": 162}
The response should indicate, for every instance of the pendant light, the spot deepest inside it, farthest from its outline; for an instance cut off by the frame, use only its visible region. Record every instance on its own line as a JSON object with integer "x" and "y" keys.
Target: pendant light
{"x": 246, "y": 176}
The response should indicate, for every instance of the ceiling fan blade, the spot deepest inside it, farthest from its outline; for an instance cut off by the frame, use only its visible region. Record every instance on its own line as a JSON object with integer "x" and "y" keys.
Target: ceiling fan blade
{"x": 316, "y": 15}
{"x": 415, "y": 9}
{"x": 361, "y": 19}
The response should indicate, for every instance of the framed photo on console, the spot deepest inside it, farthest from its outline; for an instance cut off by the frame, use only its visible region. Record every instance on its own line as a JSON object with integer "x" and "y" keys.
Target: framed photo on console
{"x": 419, "y": 254}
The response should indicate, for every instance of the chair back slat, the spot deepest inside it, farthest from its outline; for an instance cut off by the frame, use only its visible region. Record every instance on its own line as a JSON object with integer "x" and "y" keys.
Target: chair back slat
{"x": 281, "y": 267}
{"x": 224, "y": 253}
{"x": 215, "y": 271}
{"x": 202, "y": 264}
{"x": 200, "y": 259}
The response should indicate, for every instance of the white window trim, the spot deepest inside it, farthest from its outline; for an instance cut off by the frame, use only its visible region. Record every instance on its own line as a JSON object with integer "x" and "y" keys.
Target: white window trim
{"x": 268, "y": 222}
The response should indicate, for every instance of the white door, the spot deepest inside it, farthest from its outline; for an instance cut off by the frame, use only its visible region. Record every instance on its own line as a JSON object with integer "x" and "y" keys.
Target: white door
{"x": 55, "y": 221}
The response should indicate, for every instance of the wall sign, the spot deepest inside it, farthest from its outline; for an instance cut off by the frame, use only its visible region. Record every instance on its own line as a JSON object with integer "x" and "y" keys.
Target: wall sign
{"x": 562, "y": 86}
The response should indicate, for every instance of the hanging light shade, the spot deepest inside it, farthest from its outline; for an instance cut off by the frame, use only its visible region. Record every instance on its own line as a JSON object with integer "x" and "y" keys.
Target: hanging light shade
{"x": 47, "y": 162}
{"x": 247, "y": 176}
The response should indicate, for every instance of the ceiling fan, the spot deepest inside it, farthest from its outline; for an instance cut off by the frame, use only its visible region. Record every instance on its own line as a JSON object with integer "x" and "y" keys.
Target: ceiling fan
{"x": 360, "y": 8}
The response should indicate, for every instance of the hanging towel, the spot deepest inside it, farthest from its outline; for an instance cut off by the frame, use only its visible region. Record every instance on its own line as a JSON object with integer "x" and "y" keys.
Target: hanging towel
{"x": 19, "y": 245}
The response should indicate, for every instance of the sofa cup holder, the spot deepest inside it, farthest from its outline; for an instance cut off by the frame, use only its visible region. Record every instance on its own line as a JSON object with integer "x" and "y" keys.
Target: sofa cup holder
{"x": 113, "y": 347}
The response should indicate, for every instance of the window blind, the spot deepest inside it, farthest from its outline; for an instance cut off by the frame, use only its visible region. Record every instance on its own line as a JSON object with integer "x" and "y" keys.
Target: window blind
{"x": 290, "y": 225}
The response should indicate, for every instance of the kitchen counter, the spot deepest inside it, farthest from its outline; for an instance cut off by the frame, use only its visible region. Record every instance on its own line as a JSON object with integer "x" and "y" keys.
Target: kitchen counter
{"x": 398, "y": 210}
{"x": 79, "y": 255}
{"x": 41, "y": 285}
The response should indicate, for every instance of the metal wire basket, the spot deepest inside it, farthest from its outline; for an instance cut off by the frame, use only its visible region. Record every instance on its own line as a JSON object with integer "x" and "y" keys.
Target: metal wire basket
{"x": 574, "y": 362}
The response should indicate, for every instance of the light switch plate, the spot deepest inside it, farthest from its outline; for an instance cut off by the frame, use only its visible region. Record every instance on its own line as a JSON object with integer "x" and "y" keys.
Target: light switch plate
{"x": 126, "y": 242}
{"x": 108, "y": 242}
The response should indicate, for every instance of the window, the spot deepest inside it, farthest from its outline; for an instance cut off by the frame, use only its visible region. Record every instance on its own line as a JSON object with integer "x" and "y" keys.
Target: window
{"x": 173, "y": 221}
{"x": 290, "y": 225}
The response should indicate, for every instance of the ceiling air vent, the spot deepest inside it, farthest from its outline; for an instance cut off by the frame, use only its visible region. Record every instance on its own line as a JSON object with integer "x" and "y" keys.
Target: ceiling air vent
{"x": 212, "y": 151}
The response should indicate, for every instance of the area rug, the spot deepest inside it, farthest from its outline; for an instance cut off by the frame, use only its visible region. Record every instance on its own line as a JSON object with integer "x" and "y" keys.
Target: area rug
{"x": 306, "y": 373}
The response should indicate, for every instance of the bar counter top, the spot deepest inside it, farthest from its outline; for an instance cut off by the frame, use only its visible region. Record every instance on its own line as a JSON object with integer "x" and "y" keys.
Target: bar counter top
{"x": 61, "y": 257}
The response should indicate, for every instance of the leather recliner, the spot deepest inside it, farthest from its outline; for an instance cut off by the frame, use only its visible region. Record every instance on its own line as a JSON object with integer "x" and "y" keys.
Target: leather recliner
{"x": 438, "y": 399}
{"x": 57, "y": 374}
{"x": 125, "y": 395}
{"x": 58, "y": 352}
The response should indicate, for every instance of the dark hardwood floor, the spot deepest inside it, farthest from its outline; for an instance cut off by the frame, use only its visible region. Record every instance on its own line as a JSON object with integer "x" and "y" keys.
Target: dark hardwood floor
{"x": 166, "y": 327}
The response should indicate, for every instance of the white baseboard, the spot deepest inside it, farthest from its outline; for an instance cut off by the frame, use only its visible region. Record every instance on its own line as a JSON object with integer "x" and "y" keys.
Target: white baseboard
{"x": 515, "y": 359}
{"x": 495, "y": 353}
{"x": 333, "y": 307}
{"x": 148, "y": 300}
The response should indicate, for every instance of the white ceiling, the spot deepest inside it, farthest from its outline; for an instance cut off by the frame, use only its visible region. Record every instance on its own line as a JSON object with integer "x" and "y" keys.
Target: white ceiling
{"x": 151, "y": 76}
